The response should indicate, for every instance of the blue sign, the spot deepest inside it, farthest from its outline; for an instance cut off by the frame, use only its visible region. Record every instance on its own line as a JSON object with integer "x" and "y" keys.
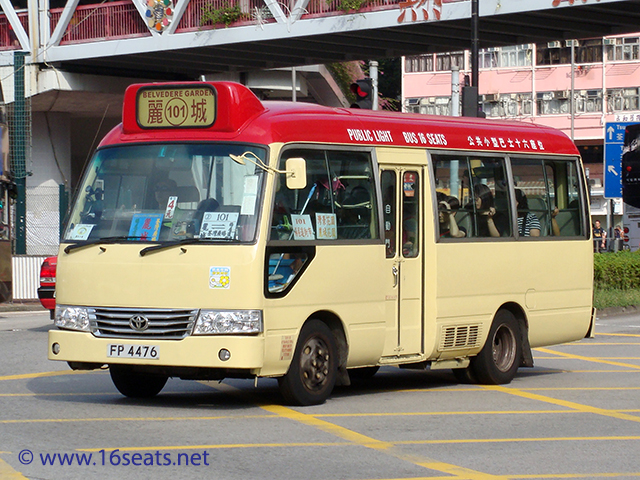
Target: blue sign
{"x": 613, "y": 143}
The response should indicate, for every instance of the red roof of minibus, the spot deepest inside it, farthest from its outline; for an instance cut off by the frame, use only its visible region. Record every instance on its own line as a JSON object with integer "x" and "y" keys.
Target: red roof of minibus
{"x": 241, "y": 117}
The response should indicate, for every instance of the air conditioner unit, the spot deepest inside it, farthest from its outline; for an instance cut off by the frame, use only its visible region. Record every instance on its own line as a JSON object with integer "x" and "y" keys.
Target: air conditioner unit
{"x": 575, "y": 43}
{"x": 492, "y": 97}
{"x": 609, "y": 41}
{"x": 555, "y": 44}
{"x": 563, "y": 94}
{"x": 493, "y": 49}
{"x": 431, "y": 99}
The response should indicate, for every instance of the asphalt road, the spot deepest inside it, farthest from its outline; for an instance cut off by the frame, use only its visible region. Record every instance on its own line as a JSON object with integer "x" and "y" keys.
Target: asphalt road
{"x": 575, "y": 415}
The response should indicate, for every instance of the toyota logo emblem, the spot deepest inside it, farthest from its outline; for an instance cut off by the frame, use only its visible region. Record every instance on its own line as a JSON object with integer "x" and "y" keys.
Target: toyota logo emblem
{"x": 139, "y": 323}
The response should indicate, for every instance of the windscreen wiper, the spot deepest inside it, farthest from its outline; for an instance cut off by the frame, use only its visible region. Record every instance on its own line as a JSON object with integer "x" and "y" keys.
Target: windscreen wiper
{"x": 105, "y": 240}
{"x": 184, "y": 241}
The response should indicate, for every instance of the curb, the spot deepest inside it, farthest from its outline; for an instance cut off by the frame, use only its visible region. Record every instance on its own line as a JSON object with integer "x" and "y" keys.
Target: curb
{"x": 611, "y": 311}
{"x": 22, "y": 307}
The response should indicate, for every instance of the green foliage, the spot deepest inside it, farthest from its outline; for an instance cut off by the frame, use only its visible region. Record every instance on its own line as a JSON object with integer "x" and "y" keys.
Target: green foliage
{"x": 348, "y": 5}
{"x": 616, "y": 271}
{"x": 226, "y": 14}
{"x": 605, "y": 298}
{"x": 343, "y": 74}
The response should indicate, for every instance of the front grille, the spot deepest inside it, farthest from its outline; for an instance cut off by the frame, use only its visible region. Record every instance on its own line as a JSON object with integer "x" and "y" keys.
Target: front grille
{"x": 459, "y": 336}
{"x": 155, "y": 323}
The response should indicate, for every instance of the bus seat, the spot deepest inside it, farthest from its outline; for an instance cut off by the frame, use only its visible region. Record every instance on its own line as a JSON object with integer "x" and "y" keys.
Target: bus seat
{"x": 538, "y": 206}
{"x": 569, "y": 222}
{"x": 464, "y": 221}
{"x": 188, "y": 197}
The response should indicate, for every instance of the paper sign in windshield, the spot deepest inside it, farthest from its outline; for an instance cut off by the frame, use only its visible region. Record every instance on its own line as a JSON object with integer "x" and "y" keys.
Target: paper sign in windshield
{"x": 219, "y": 225}
{"x": 327, "y": 226}
{"x": 302, "y": 227}
{"x": 81, "y": 231}
{"x": 145, "y": 226}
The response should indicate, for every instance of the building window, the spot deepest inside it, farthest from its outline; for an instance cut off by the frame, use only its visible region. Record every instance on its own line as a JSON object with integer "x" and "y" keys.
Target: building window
{"x": 508, "y": 105}
{"x": 588, "y": 101}
{"x": 552, "y": 53}
{"x": 623, "y": 99}
{"x": 623, "y": 49}
{"x": 419, "y": 63}
{"x": 428, "y": 105}
{"x": 553, "y": 103}
{"x": 444, "y": 61}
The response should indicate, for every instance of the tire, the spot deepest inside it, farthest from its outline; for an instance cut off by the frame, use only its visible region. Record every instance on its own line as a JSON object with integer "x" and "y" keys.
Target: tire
{"x": 364, "y": 373}
{"x": 136, "y": 385}
{"x": 313, "y": 371}
{"x": 499, "y": 359}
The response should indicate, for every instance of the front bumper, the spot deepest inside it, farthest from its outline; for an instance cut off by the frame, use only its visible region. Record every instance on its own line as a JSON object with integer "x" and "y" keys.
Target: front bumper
{"x": 247, "y": 352}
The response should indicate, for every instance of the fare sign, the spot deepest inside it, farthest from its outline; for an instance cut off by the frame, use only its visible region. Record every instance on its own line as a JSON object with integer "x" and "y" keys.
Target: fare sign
{"x": 179, "y": 106}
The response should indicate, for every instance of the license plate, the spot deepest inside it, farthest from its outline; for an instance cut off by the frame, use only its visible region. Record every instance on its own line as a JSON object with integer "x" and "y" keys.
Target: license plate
{"x": 119, "y": 350}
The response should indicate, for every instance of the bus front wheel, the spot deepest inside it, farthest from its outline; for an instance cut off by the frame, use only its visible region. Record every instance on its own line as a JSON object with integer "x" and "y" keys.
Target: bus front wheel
{"x": 313, "y": 371}
{"x": 136, "y": 385}
{"x": 499, "y": 359}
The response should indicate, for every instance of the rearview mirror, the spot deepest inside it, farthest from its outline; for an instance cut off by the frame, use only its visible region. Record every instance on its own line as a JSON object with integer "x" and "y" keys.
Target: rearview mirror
{"x": 296, "y": 172}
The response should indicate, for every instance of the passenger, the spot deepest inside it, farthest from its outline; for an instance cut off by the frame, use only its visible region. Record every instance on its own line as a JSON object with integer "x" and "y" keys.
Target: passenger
{"x": 163, "y": 190}
{"x": 528, "y": 222}
{"x": 486, "y": 211}
{"x": 447, "y": 207}
{"x": 555, "y": 228}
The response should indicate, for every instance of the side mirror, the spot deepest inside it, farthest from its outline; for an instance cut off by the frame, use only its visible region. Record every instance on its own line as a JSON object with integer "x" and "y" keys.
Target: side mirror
{"x": 296, "y": 172}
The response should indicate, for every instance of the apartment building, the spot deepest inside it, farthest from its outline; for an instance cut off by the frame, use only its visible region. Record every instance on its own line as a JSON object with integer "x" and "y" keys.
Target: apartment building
{"x": 534, "y": 83}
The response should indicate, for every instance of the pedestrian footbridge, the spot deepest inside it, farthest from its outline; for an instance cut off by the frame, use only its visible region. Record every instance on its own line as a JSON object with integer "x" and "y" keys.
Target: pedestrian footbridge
{"x": 178, "y": 39}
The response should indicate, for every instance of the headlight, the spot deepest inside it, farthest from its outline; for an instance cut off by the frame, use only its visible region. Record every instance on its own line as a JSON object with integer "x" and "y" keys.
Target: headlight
{"x": 220, "y": 322}
{"x": 72, "y": 318}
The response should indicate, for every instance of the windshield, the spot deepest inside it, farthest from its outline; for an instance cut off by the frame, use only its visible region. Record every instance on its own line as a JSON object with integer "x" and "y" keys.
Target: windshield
{"x": 168, "y": 192}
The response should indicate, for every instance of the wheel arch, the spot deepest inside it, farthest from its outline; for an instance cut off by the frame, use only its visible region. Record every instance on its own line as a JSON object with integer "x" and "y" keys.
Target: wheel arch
{"x": 518, "y": 312}
{"x": 336, "y": 326}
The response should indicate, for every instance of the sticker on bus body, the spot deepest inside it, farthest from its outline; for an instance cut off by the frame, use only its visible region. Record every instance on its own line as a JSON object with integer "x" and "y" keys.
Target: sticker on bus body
{"x": 219, "y": 277}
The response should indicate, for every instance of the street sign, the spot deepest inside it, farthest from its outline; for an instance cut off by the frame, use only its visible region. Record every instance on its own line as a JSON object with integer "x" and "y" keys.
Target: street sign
{"x": 613, "y": 143}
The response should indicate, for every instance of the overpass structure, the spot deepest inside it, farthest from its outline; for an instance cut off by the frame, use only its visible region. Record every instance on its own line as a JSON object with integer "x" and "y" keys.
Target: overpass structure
{"x": 180, "y": 39}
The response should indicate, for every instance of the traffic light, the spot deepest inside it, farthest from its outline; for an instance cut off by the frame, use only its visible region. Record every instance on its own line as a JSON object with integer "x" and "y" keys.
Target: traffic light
{"x": 631, "y": 166}
{"x": 363, "y": 90}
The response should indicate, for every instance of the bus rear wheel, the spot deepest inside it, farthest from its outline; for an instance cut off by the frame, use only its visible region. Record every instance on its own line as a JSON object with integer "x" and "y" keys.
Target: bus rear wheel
{"x": 313, "y": 371}
{"x": 136, "y": 385}
{"x": 499, "y": 359}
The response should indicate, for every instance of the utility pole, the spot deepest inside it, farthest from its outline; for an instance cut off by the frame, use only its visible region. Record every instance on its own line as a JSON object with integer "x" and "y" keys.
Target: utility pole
{"x": 373, "y": 74}
{"x": 470, "y": 92}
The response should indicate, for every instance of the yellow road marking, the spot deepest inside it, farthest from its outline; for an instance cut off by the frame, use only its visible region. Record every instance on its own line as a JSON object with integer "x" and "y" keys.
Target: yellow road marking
{"x": 221, "y": 446}
{"x": 369, "y": 442}
{"x": 589, "y": 359}
{"x": 45, "y": 374}
{"x": 564, "y": 403}
{"x": 578, "y": 475}
{"x": 8, "y": 473}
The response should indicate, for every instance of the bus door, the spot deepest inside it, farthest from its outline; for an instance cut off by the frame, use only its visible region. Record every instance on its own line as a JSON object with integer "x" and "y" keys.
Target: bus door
{"x": 401, "y": 194}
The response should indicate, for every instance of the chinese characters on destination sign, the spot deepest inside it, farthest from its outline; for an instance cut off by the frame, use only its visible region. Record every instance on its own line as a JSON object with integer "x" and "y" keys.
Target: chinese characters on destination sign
{"x": 440, "y": 139}
{"x": 176, "y": 107}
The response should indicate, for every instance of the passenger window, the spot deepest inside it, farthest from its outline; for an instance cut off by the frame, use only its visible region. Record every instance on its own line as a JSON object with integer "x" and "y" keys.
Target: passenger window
{"x": 474, "y": 192}
{"x": 388, "y": 181}
{"x": 410, "y": 214}
{"x": 548, "y": 196}
{"x": 338, "y": 202}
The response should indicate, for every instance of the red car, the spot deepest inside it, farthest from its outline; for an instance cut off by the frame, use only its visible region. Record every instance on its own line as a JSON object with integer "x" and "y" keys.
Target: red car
{"x": 47, "y": 290}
